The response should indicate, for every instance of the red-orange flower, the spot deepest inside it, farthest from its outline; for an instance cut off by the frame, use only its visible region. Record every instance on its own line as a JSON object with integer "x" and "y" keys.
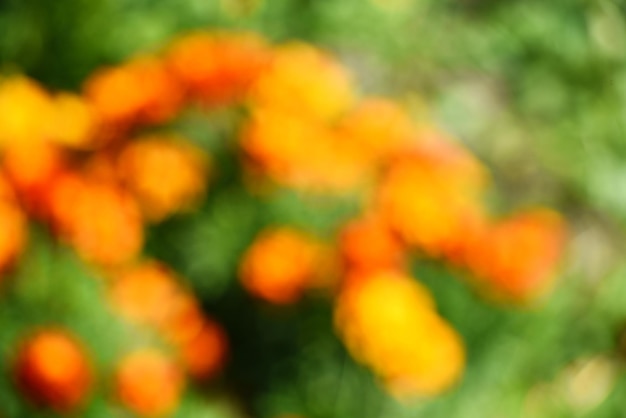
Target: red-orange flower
{"x": 32, "y": 167}
{"x": 280, "y": 265}
{"x": 53, "y": 370}
{"x": 218, "y": 68}
{"x": 517, "y": 257}
{"x": 140, "y": 91}
{"x": 199, "y": 341}
{"x": 204, "y": 354}
{"x": 7, "y": 193}
{"x": 14, "y": 232}
{"x": 368, "y": 244}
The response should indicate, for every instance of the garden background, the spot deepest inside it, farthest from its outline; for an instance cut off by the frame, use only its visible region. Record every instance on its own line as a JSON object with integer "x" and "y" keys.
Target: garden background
{"x": 536, "y": 89}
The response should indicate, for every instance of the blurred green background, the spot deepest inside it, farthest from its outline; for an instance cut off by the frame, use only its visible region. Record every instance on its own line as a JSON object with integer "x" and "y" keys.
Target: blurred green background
{"x": 536, "y": 88}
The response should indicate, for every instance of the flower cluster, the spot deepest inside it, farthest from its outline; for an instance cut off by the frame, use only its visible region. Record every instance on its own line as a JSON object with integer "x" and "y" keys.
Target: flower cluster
{"x": 80, "y": 165}
{"x": 422, "y": 194}
{"x": 86, "y": 166}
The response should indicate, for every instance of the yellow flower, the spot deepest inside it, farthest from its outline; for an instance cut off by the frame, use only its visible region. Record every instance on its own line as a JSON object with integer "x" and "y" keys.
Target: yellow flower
{"x": 388, "y": 322}
{"x": 74, "y": 122}
{"x": 26, "y": 111}
{"x": 304, "y": 81}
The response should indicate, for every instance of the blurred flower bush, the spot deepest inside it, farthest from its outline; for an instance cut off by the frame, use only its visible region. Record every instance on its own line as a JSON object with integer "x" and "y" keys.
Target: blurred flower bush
{"x": 232, "y": 223}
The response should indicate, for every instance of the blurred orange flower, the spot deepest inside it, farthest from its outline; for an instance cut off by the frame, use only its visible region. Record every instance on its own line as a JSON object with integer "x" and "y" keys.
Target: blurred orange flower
{"x": 149, "y": 294}
{"x": 378, "y": 129}
{"x": 367, "y": 244}
{"x": 7, "y": 193}
{"x": 14, "y": 232}
{"x": 200, "y": 342}
{"x": 280, "y": 265}
{"x": 517, "y": 257}
{"x": 102, "y": 222}
{"x": 218, "y": 68}
{"x": 140, "y": 91}
{"x": 148, "y": 383}
{"x": 446, "y": 159}
{"x": 431, "y": 196}
{"x": 143, "y": 293}
{"x": 60, "y": 198}
{"x": 32, "y": 167}
{"x": 205, "y": 353}
{"x": 53, "y": 370}
{"x": 183, "y": 319}
{"x": 300, "y": 153}
{"x": 166, "y": 174}
{"x": 100, "y": 166}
